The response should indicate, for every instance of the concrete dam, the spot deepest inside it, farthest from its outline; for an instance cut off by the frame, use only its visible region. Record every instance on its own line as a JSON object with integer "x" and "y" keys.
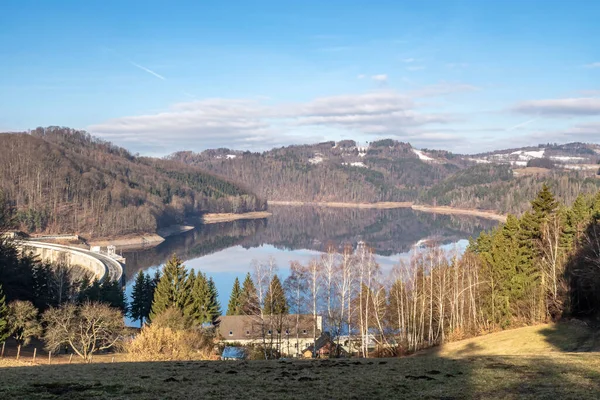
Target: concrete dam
{"x": 101, "y": 265}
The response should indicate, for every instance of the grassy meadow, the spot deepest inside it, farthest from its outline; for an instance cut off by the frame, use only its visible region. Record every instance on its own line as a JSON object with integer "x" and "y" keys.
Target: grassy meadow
{"x": 547, "y": 361}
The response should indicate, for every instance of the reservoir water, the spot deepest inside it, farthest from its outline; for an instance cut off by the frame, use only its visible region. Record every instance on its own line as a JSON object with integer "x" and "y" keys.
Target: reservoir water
{"x": 227, "y": 250}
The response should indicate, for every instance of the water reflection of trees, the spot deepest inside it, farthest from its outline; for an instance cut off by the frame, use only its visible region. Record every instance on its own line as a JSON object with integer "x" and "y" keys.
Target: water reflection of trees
{"x": 387, "y": 231}
{"x": 201, "y": 241}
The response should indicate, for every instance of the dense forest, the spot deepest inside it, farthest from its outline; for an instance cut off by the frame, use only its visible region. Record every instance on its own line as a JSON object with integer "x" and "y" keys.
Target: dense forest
{"x": 495, "y": 187}
{"x": 388, "y": 170}
{"x": 61, "y": 180}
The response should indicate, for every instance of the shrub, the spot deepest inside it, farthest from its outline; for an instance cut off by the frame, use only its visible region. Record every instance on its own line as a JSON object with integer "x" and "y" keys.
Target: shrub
{"x": 171, "y": 337}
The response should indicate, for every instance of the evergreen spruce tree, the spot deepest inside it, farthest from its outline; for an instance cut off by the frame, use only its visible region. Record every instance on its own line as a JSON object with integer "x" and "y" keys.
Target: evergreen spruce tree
{"x": 172, "y": 289}
{"x": 544, "y": 203}
{"x": 149, "y": 288}
{"x": 4, "y": 328}
{"x": 139, "y": 298}
{"x": 249, "y": 297}
{"x": 111, "y": 293}
{"x": 275, "y": 301}
{"x": 235, "y": 306}
{"x": 204, "y": 307}
{"x": 215, "y": 306}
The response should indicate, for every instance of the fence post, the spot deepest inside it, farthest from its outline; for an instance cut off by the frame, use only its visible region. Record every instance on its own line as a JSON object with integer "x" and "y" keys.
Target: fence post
{"x": 34, "y": 354}
{"x": 18, "y": 352}
{"x": 113, "y": 359}
{"x": 49, "y": 357}
{"x": 3, "y": 344}
{"x": 70, "y": 358}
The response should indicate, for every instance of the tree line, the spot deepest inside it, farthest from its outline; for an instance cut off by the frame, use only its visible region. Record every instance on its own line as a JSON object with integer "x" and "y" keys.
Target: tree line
{"x": 540, "y": 267}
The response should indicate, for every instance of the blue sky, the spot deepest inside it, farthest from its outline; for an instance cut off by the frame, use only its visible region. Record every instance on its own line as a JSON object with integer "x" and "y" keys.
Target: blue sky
{"x": 161, "y": 76}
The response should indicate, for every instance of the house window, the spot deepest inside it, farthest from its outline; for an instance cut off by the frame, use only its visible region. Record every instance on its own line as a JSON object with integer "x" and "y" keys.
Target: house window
{"x": 230, "y": 333}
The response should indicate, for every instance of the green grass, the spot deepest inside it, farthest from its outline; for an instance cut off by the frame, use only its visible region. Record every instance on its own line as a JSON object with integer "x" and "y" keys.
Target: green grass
{"x": 532, "y": 366}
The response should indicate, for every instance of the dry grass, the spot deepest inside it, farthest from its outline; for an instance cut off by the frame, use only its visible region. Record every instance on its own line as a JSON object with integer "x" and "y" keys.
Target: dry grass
{"x": 532, "y": 340}
{"x": 481, "y": 368}
{"x": 560, "y": 376}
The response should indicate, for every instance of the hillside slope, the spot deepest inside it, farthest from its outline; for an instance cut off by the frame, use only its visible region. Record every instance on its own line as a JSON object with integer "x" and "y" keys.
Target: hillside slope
{"x": 63, "y": 180}
{"x": 536, "y": 340}
{"x": 388, "y": 170}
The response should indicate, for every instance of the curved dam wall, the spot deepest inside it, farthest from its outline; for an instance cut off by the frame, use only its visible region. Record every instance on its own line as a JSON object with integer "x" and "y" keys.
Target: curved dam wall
{"x": 101, "y": 266}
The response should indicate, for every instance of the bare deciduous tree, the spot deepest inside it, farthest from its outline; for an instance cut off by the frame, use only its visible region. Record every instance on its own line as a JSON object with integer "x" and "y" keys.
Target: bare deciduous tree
{"x": 86, "y": 329}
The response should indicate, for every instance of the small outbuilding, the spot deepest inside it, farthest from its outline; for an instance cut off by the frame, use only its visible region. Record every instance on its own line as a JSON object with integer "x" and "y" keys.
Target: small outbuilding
{"x": 233, "y": 353}
{"x": 325, "y": 348}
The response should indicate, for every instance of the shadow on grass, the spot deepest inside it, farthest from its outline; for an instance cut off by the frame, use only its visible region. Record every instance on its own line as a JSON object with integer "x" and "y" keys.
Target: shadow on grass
{"x": 573, "y": 336}
{"x": 558, "y": 376}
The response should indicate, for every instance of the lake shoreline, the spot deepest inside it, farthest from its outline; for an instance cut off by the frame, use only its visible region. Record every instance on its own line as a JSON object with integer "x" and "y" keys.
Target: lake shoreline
{"x": 488, "y": 214}
{"x": 215, "y": 218}
{"x": 337, "y": 204}
{"x": 148, "y": 240}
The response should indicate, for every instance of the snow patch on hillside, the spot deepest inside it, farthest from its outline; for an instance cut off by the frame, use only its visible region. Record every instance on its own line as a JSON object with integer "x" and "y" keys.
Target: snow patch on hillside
{"x": 528, "y": 155}
{"x": 422, "y": 156}
{"x": 231, "y": 156}
{"x": 567, "y": 158}
{"x": 356, "y": 164}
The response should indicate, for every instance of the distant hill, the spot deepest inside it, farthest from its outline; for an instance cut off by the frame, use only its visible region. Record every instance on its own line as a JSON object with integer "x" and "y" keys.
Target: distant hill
{"x": 388, "y": 170}
{"x": 63, "y": 180}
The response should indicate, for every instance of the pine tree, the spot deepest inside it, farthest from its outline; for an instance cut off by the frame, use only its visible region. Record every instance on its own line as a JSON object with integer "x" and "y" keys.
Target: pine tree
{"x": 275, "y": 301}
{"x": 204, "y": 306}
{"x": 149, "y": 288}
{"x": 215, "y": 306}
{"x": 4, "y": 328}
{"x": 111, "y": 293}
{"x": 139, "y": 298}
{"x": 544, "y": 203}
{"x": 172, "y": 289}
{"x": 249, "y": 297}
{"x": 235, "y": 306}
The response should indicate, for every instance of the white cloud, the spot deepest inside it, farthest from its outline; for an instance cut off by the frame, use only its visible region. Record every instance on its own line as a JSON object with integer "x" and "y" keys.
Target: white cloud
{"x": 361, "y": 76}
{"x": 415, "y": 68}
{"x": 380, "y": 77}
{"x": 408, "y": 60}
{"x": 251, "y": 124}
{"x": 583, "y": 106}
{"x": 593, "y": 65}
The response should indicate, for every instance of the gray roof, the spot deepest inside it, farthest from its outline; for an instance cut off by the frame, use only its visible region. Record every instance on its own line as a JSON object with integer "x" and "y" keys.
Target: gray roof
{"x": 244, "y": 327}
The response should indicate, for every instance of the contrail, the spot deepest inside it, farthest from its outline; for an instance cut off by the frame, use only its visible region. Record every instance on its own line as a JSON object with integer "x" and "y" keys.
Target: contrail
{"x": 148, "y": 71}
{"x": 522, "y": 124}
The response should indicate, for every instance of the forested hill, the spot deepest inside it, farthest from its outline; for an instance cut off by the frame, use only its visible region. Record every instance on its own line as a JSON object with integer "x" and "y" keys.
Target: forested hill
{"x": 62, "y": 180}
{"x": 342, "y": 171}
{"x": 388, "y": 170}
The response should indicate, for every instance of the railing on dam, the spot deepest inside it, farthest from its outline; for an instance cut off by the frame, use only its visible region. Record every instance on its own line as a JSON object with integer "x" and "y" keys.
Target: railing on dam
{"x": 100, "y": 265}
